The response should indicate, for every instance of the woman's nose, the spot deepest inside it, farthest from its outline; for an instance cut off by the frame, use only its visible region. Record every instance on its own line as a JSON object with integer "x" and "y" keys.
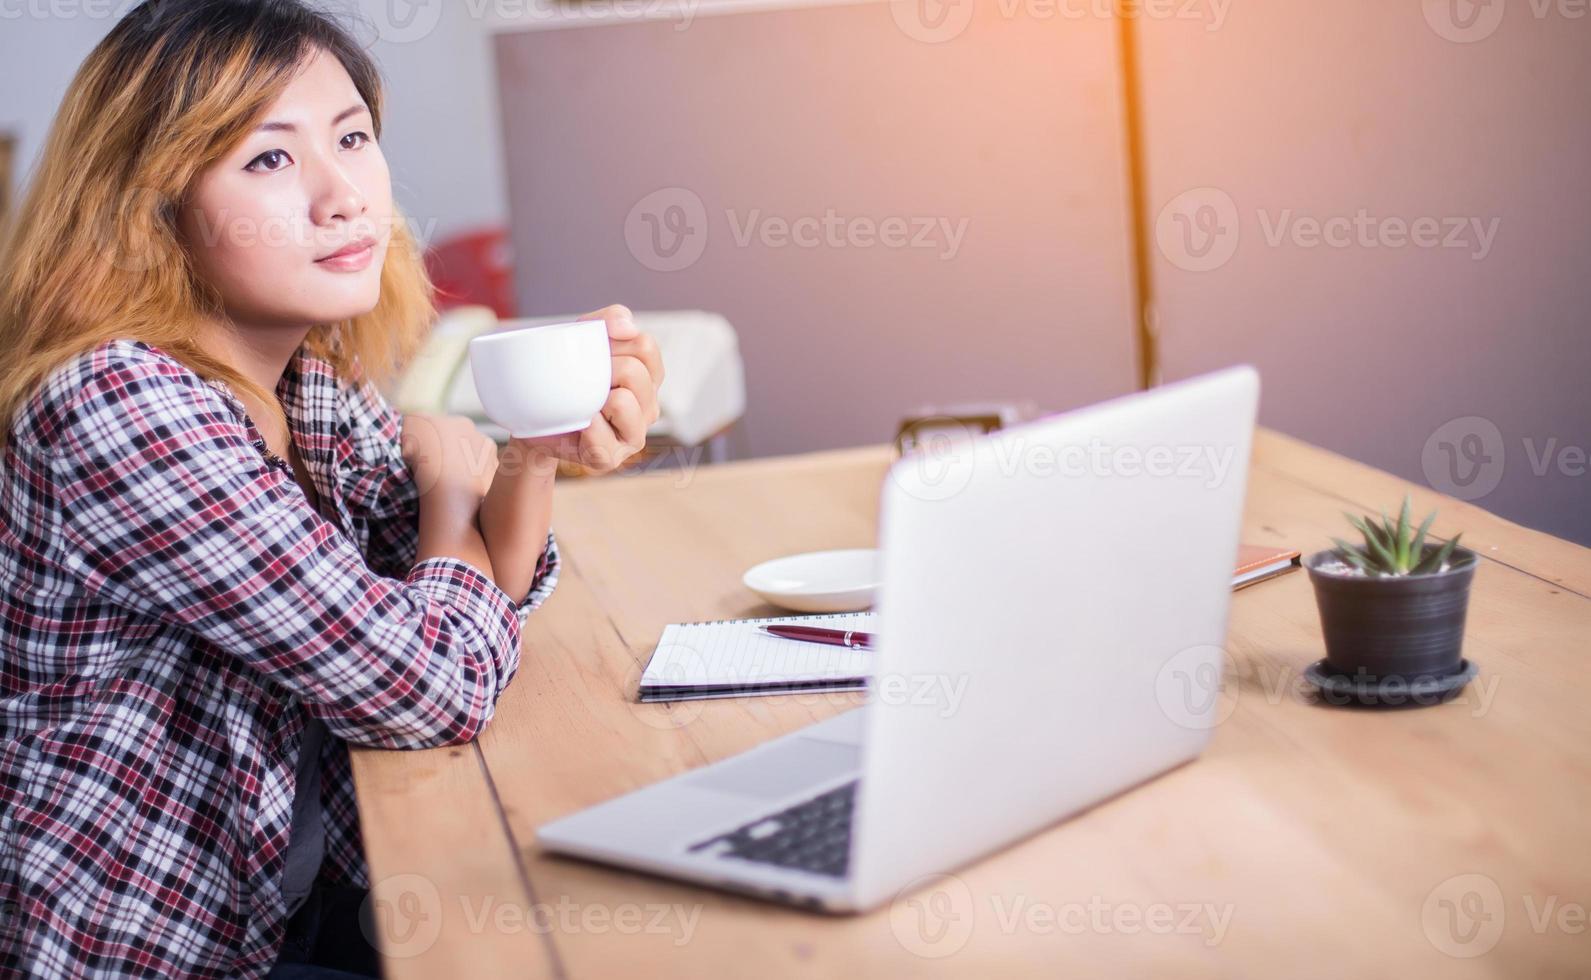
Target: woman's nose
{"x": 338, "y": 197}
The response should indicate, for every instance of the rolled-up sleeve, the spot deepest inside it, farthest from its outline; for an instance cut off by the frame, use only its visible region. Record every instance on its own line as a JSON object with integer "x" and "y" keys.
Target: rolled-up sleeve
{"x": 543, "y": 582}
{"x": 166, "y": 507}
{"x": 380, "y": 489}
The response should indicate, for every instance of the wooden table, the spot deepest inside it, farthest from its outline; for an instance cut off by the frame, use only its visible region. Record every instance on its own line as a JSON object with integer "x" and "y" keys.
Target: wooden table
{"x": 1309, "y": 840}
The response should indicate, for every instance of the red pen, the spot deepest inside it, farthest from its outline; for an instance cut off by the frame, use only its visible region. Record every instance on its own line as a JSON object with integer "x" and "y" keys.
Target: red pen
{"x": 854, "y": 639}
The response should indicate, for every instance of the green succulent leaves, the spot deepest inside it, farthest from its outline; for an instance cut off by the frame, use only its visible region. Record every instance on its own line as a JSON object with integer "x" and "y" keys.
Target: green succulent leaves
{"x": 1394, "y": 548}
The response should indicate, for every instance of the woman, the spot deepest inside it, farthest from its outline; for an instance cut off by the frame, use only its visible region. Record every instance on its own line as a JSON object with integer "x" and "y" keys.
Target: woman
{"x": 225, "y": 556}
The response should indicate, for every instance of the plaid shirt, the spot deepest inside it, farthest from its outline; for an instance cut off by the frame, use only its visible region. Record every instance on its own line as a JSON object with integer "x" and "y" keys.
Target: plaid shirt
{"x": 170, "y": 603}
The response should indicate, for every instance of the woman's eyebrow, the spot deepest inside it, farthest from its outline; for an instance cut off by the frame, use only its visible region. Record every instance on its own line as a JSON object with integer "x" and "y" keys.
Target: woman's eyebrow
{"x": 289, "y": 127}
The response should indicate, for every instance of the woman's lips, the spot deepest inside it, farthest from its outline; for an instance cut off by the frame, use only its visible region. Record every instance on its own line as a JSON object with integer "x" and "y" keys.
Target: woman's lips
{"x": 349, "y": 261}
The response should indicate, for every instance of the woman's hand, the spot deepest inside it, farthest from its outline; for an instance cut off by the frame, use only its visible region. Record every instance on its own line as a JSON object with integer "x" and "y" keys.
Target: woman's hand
{"x": 449, "y": 453}
{"x": 618, "y": 431}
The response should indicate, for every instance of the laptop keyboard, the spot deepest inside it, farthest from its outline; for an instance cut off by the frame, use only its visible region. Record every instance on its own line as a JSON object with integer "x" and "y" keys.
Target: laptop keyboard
{"x": 811, "y": 836}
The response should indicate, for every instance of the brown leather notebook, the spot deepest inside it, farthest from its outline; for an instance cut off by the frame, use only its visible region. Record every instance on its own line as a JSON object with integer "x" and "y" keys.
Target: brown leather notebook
{"x": 1258, "y": 562}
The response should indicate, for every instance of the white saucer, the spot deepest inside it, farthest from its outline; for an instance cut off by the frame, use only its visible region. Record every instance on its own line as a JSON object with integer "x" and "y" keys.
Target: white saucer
{"x": 818, "y": 581}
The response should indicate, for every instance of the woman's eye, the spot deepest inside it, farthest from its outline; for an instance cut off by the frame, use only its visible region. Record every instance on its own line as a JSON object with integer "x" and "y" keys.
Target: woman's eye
{"x": 362, "y": 139}
{"x": 272, "y": 159}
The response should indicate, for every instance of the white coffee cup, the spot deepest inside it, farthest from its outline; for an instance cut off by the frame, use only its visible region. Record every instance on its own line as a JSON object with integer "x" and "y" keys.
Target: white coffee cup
{"x": 540, "y": 381}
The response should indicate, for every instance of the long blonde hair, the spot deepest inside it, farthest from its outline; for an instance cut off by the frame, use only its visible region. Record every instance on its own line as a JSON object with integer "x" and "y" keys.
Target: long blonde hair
{"x": 93, "y": 253}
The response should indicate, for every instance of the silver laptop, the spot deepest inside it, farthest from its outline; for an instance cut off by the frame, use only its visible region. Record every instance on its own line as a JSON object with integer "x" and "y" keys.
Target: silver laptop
{"x": 1050, "y": 625}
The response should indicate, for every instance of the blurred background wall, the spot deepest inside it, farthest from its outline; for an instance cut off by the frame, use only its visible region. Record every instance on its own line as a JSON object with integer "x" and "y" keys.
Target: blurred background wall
{"x": 754, "y": 163}
{"x": 1383, "y": 206}
{"x": 1387, "y": 209}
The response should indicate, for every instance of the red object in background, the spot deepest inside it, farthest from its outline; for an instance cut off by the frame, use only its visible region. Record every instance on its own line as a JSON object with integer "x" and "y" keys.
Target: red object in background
{"x": 474, "y": 269}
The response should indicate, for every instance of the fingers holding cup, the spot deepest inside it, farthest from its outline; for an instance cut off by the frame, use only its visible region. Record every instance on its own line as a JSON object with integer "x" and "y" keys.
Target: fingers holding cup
{"x": 627, "y": 419}
{"x": 625, "y": 337}
{"x": 599, "y": 447}
{"x": 620, "y": 321}
{"x": 630, "y": 374}
{"x": 611, "y": 437}
{"x": 643, "y": 347}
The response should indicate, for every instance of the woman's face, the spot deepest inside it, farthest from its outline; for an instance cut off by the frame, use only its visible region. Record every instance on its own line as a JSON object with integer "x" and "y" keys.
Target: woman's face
{"x": 265, "y": 224}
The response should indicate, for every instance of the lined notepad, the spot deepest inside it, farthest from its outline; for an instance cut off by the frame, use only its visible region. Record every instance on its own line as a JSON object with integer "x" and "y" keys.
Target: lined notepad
{"x": 724, "y": 658}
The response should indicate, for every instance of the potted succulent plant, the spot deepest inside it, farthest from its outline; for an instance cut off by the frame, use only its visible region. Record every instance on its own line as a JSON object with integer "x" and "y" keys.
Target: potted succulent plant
{"x": 1392, "y": 611}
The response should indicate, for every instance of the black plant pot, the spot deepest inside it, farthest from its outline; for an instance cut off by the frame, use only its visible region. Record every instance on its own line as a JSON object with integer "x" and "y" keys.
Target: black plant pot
{"x": 1394, "y": 632}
